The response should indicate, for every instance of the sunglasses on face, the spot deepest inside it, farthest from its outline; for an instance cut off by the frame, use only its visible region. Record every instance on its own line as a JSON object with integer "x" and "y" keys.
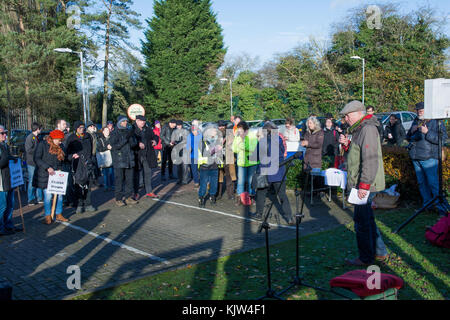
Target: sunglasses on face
{"x": 3, "y": 133}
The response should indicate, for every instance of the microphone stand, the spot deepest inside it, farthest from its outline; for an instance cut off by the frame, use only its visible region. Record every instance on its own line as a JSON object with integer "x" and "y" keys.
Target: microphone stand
{"x": 270, "y": 293}
{"x": 298, "y": 281}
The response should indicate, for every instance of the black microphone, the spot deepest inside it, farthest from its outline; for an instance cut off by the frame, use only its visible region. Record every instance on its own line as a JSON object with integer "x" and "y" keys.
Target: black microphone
{"x": 293, "y": 157}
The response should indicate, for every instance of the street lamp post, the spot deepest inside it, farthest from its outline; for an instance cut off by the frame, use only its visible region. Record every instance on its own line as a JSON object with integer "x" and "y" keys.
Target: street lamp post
{"x": 363, "y": 73}
{"x": 88, "y": 102}
{"x": 231, "y": 95}
{"x": 80, "y": 54}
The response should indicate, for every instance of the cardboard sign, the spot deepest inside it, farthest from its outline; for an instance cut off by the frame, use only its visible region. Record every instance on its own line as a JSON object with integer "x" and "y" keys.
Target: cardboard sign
{"x": 57, "y": 184}
{"x": 135, "y": 110}
{"x": 15, "y": 170}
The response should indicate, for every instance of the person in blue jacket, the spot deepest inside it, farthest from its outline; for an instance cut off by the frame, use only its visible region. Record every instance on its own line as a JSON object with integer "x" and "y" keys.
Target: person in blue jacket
{"x": 269, "y": 165}
{"x": 423, "y": 137}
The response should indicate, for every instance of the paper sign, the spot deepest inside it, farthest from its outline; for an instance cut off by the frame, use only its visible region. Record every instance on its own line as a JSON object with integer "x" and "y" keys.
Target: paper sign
{"x": 354, "y": 199}
{"x": 15, "y": 170}
{"x": 57, "y": 184}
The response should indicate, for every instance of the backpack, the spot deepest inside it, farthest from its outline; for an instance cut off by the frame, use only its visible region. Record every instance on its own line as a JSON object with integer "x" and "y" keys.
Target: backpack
{"x": 81, "y": 175}
{"x": 439, "y": 234}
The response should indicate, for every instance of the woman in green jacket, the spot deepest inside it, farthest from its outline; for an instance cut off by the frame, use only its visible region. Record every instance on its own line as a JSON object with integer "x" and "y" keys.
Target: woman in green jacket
{"x": 244, "y": 145}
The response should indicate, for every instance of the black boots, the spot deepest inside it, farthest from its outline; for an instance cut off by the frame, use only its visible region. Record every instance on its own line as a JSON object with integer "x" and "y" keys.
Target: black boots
{"x": 201, "y": 202}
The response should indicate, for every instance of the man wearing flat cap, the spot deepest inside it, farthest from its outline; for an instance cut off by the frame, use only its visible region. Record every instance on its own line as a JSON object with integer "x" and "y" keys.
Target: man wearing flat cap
{"x": 366, "y": 174}
{"x": 424, "y": 153}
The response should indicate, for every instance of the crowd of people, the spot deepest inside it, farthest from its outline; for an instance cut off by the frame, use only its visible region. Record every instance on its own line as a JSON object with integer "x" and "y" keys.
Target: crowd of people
{"x": 225, "y": 157}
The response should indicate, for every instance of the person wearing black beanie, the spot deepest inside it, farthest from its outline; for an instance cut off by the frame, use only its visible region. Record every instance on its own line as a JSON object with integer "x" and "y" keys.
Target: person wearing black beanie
{"x": 123, "y": 142}
{"x": 79, "y": 153}
{"x": 167, "y": 144}
{"x": 179, "y": 138}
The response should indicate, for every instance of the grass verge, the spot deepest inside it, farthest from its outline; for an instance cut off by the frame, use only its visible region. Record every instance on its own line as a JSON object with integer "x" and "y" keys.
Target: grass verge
{"x": 423, "y": 268}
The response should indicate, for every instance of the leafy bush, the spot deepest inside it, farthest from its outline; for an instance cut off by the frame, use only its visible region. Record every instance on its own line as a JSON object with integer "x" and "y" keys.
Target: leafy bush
{"x": 399, "y": 169}
{"x": 296, "y": 177}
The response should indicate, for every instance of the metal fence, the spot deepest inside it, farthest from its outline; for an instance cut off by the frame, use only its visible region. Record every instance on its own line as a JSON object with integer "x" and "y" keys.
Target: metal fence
{"x": 19, "y": 119}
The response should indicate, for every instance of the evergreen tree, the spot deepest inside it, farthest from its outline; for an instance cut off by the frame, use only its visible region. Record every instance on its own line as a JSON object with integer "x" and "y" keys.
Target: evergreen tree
{"x": 183, "y": 49}
{"x": 38, "y": 79}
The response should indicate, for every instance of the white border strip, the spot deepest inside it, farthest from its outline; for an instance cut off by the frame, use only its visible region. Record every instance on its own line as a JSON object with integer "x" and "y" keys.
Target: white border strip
{"x": 225, "y": 214}
{"x": 115, "y": 243}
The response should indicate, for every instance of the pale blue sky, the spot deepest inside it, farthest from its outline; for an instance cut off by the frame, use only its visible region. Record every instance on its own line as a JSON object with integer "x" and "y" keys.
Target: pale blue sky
{"x": 262, "y": 28}
{"x": 265, "y": 27}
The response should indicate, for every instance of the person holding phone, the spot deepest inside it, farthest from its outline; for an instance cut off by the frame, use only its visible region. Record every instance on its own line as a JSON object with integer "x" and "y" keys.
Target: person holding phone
{"x": 423, "y": 137}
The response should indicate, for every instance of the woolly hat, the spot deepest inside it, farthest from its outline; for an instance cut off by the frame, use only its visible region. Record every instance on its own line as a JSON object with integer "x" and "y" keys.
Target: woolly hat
{"x": 221, "y": 123}
{"x": 420, "y": 106}
{"x": 121, "y": 119}
{"x": 179, "y": 123}
{"x": 77, "y": 124}
{"x": 269, "y": 125}
{"x": 57, "y": 134}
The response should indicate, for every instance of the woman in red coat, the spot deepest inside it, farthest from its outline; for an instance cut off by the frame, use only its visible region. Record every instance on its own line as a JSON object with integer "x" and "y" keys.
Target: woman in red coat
{"x": 158, "y": 147}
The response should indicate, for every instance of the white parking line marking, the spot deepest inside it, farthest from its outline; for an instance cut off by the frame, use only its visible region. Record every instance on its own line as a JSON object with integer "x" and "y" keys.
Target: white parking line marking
{"x": 115, "y": 243}
{"x": 225, "y": 214}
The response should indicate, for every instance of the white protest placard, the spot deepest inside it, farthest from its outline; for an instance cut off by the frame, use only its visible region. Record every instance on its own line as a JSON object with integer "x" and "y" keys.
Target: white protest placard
{"x": 57, "y": 183}
{"x": 15, "y": 170}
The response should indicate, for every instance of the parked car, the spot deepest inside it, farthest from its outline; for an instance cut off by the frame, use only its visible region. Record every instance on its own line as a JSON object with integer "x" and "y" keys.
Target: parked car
{"x": 301, "y": 125}
{"x": 204, "y": 125}
{"x": 406, "y": 118}
{"x": 187, "y": 125}
{"x": 254, "y": 123}
{"x": 17, "y": 142}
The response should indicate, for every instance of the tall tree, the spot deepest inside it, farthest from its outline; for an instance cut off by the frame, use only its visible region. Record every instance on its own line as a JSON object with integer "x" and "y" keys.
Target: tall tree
{"x": 408, "y": 49}
{"x": 37, "y": 79}
{"x": 126, "y": 86}
{"x": 112, "y": 21}
{"x": 183, "y": 49}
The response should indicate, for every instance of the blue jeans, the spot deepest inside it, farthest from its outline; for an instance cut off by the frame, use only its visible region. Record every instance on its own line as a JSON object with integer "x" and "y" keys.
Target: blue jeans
{"x": 108, "y": 176}
{"x": 427, "y": 173}
{"x": 32, "y": 191}
{"x": 48, "y": 201}
{"x": 194, "y": 170}
{"x": 368, "y": 237}
{"x": 245, "y": 175}
{"x": 211, "y": 176}
{"x": 6, "y": 210}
